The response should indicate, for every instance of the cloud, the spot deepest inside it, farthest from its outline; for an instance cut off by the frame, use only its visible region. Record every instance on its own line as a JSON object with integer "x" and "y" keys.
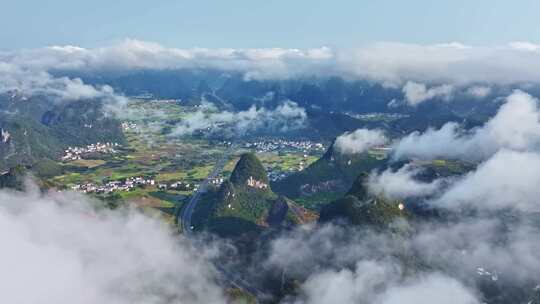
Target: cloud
{"x": 437, "y": 261}
{"x": 471, "y": 259}
{"x": 35, "y": 82}
{"x": 525, "y": 46}
{"x": 401, "y": 184}
{"x": 359, "y": 141}
{"x": 372, "y": 282}
{"x": 479, "y": 92}
{"x": 285, "y": 117}
{"x": 516, "y": 126}
{"x": 425, "y": 290}
{"x": 133, "y": 54}
{"x": 56, "y": 248}
{"x": 509, "y": 179}
{"x": 346, "y": 286}
{"x": 390, "y": 63}
{"x": 423, "y": 71}
{"x": 416, "y": 93}
{"x": 452, "y": 63}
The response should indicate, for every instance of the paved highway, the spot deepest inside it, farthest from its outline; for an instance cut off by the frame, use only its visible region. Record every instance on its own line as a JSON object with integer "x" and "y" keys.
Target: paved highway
{"x": 184, "y": 218}
{"x": 187, "y": 211}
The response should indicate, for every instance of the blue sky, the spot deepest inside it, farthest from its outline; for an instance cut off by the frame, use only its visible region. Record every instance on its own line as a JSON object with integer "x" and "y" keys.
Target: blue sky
{"x": 266, "y": 23}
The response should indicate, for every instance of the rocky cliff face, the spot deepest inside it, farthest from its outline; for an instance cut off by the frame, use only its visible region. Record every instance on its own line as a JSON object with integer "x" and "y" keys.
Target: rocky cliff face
{"x": 286, "y": 213}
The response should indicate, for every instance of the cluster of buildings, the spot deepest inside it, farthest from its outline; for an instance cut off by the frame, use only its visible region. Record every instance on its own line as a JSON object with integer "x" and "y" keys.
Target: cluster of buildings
{"x": 217, "y": 181}
{"x": 132, "y": 182}
{"x": 485, "y": 273}
{"x": 380, "y": 152}
{"x": 127, "y": 125}
{"x": 75, "y": 153}
{"x": 4, "y": 136}
{"x": 281, "y": 145}
{"x": 17, "y": 94}
{"x": 183, "y": 186}
{"x": 178, "y": 186}
{"x": 112, "y": 186}
{"x": 276, "y": 173}
{"x": 253, "y": 183}
{"x": 378, "y": 116}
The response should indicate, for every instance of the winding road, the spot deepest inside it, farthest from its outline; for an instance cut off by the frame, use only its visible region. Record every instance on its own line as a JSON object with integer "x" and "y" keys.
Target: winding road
{"x": 184, "y": 216}
{"x": 187, "y": 211}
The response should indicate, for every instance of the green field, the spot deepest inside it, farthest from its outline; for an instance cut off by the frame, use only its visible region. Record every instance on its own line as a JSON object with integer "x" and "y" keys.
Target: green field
{"x": 150, "y": 153}
{"x": 316, "y": 201}
{"x": 286, "y": 162}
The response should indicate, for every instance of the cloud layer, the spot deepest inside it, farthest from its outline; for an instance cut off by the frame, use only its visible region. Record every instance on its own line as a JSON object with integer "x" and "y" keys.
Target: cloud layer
{"x": 416, "y": 93}
{"x": 508, "y": 180}
{"x": 516, "y": 126}
{"x": 451, "y": 262}
{"x": 359, "y": 141}
{"x": 30, "y": 82}
{"x": 389, "y": 63}
{"x": 285, "y": 117}
{"x": 401, "y": 184}
{"x": 57, "y": 249}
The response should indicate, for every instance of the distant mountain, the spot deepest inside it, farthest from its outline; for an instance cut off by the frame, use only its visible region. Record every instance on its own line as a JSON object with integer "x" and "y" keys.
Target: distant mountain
{"x": 359, "y": 208}
{"x": 328, "y": 94}
{"x": 333, "y": 172}
{"x": 38, "y": 128}
{"x": 323, "y": 125}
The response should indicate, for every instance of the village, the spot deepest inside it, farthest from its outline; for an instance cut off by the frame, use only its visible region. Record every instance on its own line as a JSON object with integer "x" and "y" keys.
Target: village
{"x": 131, "y": 183}
{"x": 277, "y": 175}
{"x": 127, "y": 125}
{"x": 112, "y": 186}
{"x": 281, "y": 145}
{"x": 76, "y": 153}
{"x": 4, "y": 136}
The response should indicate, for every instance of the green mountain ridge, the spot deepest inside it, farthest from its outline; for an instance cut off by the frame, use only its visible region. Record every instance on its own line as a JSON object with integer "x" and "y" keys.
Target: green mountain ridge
{"x": 41, "y": 129}
{"x": 333, "y": 172}
{"x": 246, "y": 203}
{"x": 358, "y": 207}
{"x": 248, "y": 167}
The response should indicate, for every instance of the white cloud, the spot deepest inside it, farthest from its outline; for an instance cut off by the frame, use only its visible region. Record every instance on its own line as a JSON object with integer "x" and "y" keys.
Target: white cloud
{"x": 423, "y": 291}
{"x": 57, "y": 249}
{"x": 509, "y": 179}
{"x": 479, "y": 92}
{"x": 35, "y": 82}
{"x": 435, "y": 261}
{"x": 372, "y": 282}
{"x": 348, "y": 265}
{"x": 346, "y": 286}
{"x": 390, "y": 63}
{"x": 416, "y": 93}
{"x": 285, "y": 117}
{"x": 453, "y": 63}
{"x": 136, "y": 54}
{"x": 516, "y": 126}
{"x": 526, "y": 46}
{"x": 359, "y": 141}
{"x": 401, "y": 184}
